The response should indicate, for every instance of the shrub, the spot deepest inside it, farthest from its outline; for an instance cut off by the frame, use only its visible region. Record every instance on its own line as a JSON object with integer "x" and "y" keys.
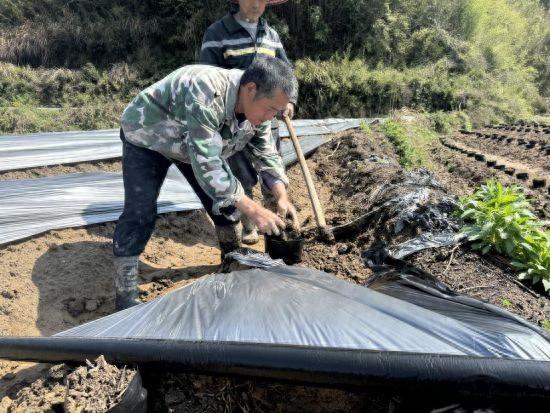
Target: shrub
{"x": 534, "y": 258}
{"x": 500, "y": 218}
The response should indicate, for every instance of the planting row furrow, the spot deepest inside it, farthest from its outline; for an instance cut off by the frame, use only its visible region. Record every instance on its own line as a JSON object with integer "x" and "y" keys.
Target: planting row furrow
{"x": 521, "y": 126}
{"x": 466, "y": 173}
{"x": 531, "y": 141}
{"x": 534, "y": 154}
{"x": 530, "y": 177}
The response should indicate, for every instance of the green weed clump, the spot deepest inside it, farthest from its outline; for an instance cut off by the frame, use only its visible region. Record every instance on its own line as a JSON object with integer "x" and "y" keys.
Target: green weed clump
{"x": 409, "y": 157}
{"x": 411, "y": 139}
{"x": 506, "y": 303}
{"x": 448, "y": 122}
{"x": 500, "y": 218}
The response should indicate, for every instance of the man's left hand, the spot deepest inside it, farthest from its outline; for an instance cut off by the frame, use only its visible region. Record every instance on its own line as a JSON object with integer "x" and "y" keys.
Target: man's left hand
{"x": 286, "y": 210}
{"x": 289, "y": 111}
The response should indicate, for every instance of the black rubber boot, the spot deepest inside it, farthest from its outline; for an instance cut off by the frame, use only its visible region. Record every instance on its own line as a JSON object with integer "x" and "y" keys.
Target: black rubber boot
{"x": 126, "y": 282}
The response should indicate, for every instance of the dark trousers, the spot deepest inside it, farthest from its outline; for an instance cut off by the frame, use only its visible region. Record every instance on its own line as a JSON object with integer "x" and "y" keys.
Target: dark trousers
{"x": 144, "y": 171}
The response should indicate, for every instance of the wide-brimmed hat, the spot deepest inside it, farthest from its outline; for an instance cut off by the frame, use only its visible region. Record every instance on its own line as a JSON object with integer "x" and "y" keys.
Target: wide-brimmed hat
{"x": 269, "y": 2}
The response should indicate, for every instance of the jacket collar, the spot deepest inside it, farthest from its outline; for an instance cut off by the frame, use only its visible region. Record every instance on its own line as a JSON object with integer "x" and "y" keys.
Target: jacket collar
{"x": 232, "y": 26}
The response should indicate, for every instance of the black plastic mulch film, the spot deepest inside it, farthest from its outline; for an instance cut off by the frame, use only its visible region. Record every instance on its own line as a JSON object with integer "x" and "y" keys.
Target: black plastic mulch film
{"x": 288, "y": 322}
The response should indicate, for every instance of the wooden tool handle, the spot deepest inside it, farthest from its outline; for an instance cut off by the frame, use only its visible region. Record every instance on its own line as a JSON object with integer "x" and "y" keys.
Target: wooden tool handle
{"x": 317, "y": 209}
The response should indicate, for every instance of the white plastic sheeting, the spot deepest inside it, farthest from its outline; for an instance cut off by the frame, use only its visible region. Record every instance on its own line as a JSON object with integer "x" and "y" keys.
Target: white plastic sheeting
{"x": 41, "y": 149}
{"x": 33, "y": 206}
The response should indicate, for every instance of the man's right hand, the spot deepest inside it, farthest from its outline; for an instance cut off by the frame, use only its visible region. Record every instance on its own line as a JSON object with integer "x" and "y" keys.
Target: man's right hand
{"x": 266, "y": 221}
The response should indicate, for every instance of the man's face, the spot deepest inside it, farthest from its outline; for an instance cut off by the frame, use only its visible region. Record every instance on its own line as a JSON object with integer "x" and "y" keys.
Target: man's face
{"x": 251, "y": 10}
{"x": 259, "y": 110}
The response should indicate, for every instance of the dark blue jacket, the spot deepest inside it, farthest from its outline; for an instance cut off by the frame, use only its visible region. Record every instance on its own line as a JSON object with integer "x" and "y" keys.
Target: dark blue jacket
{"x": 229, "y": 45}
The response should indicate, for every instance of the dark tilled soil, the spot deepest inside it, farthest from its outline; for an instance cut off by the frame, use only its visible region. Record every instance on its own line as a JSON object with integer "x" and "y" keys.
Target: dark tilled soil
{"x": 342, "y": 179}
{"x": 462, "y": 175}
{"x": 534, "y": 157}
{"x": 485, "y": 278}
{"x": 351, "y": 184}
{"x": 193, "y": 393}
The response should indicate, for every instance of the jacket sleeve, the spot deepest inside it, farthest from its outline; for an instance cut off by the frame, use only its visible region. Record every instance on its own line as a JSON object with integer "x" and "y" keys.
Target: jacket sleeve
{"x": 211, "y": 49}
{"x": 281, "y": 54}
{"x": 264, "y": 155}
{"x": 204, "y": 144}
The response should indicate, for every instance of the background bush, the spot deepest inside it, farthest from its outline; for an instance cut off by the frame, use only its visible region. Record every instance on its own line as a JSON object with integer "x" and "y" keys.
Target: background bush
{"x": 487, "y": 58}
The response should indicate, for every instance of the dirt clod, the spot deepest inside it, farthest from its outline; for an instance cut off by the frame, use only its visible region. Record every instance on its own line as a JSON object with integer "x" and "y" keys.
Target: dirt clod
{"x": 96, "y": 387}
{"x": 91, "y": 305}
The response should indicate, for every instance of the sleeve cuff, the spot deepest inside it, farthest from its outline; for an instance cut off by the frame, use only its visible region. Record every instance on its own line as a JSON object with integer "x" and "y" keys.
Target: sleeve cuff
{"x": 275, "y": 175}
{"x": 229, "y": 200}
{"x": 269, "y": 180}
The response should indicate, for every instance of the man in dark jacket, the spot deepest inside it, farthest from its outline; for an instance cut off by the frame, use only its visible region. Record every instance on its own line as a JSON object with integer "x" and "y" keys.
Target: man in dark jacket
{"x": 232, "y": 43}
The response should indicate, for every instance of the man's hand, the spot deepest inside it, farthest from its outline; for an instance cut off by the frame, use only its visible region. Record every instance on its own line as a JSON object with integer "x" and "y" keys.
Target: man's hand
{"x": 266, "y": 221}
{"x": 284, "y": 208}
{"x": 289, "y": 111}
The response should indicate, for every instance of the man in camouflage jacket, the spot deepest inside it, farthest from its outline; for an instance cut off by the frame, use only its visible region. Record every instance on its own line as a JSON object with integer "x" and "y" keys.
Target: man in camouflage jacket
{"x": 197, "y": 117}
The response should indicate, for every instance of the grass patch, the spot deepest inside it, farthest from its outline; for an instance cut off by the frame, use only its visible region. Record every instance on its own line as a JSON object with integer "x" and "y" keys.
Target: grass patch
{"x": 397, "y": 135}
{"x": 25, "y": 119}
{"x": 410, "y": 141}
{"x": 365, "y": 127}
{"x": 506, "y": 303}
{"x": 448, "y": 122}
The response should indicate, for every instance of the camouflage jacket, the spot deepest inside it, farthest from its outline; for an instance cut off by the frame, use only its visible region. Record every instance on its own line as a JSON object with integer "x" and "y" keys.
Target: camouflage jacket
{"x": 189, "y": 116}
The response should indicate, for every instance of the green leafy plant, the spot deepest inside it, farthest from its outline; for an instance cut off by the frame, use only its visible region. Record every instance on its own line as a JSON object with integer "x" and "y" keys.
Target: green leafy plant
{"x": 506, "y": 303}
{"x": 535, "y": 259}
{"x": 500, "y": 218}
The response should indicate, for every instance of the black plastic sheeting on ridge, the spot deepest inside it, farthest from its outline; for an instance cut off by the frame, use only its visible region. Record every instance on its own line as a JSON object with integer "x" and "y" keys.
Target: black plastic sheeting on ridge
{"x": 302, "y": 324}
{"x": 416, "y": 203}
